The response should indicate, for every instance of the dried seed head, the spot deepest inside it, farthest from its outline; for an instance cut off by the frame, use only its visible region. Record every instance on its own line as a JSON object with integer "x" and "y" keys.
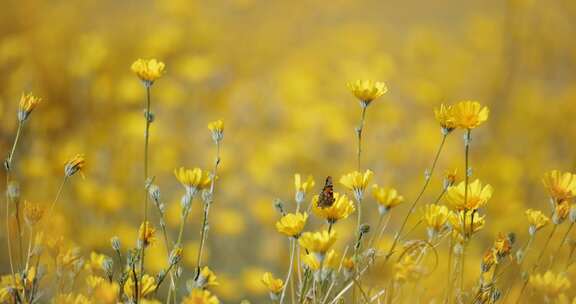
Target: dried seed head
{"x": 74, "y": 165}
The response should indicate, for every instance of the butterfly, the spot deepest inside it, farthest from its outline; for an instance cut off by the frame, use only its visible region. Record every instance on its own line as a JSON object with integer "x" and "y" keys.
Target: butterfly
{"x": 326, "y": 197}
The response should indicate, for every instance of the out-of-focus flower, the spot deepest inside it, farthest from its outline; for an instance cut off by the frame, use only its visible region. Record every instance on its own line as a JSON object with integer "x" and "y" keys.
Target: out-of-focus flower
{"x": 560, "y": 185}
{"x": 469, "y": 114}
{"x": 74, "y": 165}
{"x": 32, "y": 212}
{"x": 148, "y": 70}
{"x": 340, "y": 209}
{"x": 28, "y": 103}
{"x": 330, "y": 261}
{"x": 292, "y": 224}
{"x": 199, "y": 296}
{"x": 70, "y": 298}
{"x": 217, "y": 129}
{"x": 107, "y": 292}
{"x": 206, "y": 278}
{"x": 302, "y": 187}
{"x": 561, "y": 212}
{"x": 95, "y": 262}
{"x": 476, "y": 197}
{"x": 273, "y": 285}
{"x": 317, "y": 242}
{"x": 435, "y": 217}
{"x": 193, "y": 179}
{"x": 147, "y": 285}
{"x": 536, "y": 219}
{"x": 450, "y": 177}
{"x": 387, "y": 198}
{"x": 407, "y": 270}
{"x": 463, "y": 220}
{"x": 367, "y": 90}
{"x": 445, "y": 118}
{"x": 356, "y": 182}
{"x": 550, "y": 284}
{"x": 146, "y": 234}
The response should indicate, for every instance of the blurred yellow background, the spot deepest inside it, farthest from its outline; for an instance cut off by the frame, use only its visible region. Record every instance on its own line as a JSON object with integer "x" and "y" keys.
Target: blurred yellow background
{"x": 275, "y": 72}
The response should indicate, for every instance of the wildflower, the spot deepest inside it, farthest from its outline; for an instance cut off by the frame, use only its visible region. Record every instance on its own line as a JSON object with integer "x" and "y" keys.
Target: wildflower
{"x": 302, "y": 187}
{"x": 147, "y": 285}
{"x": 435, "y": 217}
{"x": 550, "y": 284}
{"x": 561, "y": 211}
{"x": 450, "y": 177}
{"x": 175, "y": 255}
{"x": 340, "y": 209}
{"x": 206, "y": 278}
{"x": 107, "y": 292}
{"x": 28, "y": 103}
{"x": 349, "y": 266}
{"x": 445, "y": 117}
{"x": 273, "y": 285}
{"x": 407, "y": 270}
{"x": 330, "y": 262}
{"x": 317, "y": 242}
{"x": 469, "y": 114}
{"x": 463, "y": 220}
{"x": 356, "y": 182}
{"x": 367, "y": 90}
{"x": 148, "y": 70}
{"x": 74, "y": 165}
{"x": 32, "y": 213}
{"x": 199, "y": 296}
{"x": 146, "y": 234}
{"x": 387, "y": 198}
{"x": 502, "y": 248}
{"x": 70, "y": 298}
{"x": 537, "y": 220}
{"x": 476, "y": 197}
{"x": 94, "y": 281}
{"x": 193, "y": 179}
{"x": 292, "y": 224}
{"x": 217, "y": 130}
{"x": 95, "y": 262}
{"x": 560, "y": 185}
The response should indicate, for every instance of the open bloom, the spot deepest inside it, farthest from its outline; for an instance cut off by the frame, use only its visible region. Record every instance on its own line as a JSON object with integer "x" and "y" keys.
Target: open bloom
{"x": 74, "y": 165}
{"x": 387, "y": 198}
{"x": 560, "y": 185}
{"x": 445, "y": 117}
{"x": 435, "y": 217}
{"x": 28, "y": 103}
{"x": 273, "y": 285}
{"x": 200, "y": 296}
{"x": 357, "y": 182}
{"x": 536, "y": 219}
{"x": 193, "y": 179}
{"x": 550, "y": 284}
{"x": 476, "y": 197}
{"x": 292, "y": 224}
{"x": 148, "y": 70}
{"x": 331, "y": 261}
{"x": 317, "y": 242}
{"x": 367, "y": 90}
{"x": 469, "y": 114}
{"x": 340, "y": 209}
{"x": 217, "y": 130}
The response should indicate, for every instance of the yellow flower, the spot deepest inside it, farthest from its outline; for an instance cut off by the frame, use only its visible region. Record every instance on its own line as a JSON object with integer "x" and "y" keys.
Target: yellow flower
{"x": 199, "y": 296}
{"x": 28, "y": 103}
{"x": 206, "y": 278}
{"x": 536, "y": 219}
{"x": 107, "y": 293}
{"x": 74, "y": 165}
{"x": 387, "y": 198}
{"x": 32, "y": 213}
{"x": 450, "y": 177}
{"x": 445, "y": 117}
{"x": 561, "y": 211}
{"x": 357, "y": 182}
{"x": 217, "y": 130}
{"x": 317, "y": 242}
{"x": 407, "y": 270}
{"x": 477, "y": 195}
{"x": 340, "y": 209}
{"x": 146, "y": 286}
{"x": 550, "y": 284}
{"x": 367, "y": 90}
{"x": 148, "y": 70}
{"x": 302, "y": 187}
{"x": 469, "y": 114}
{"x": 435, "y": 217}
{"x": 462, "y": 219}
{"x": 193, "y": 179}
{"x": 560, "y": 185}
{"x": 95, "y": 262}
{"x": 70, "y": 298}
{"x": 274, "y": 285}
{"x": 292, "y": 224}
{"x": 331, "y": 260}
{"x": 146, "y": 234}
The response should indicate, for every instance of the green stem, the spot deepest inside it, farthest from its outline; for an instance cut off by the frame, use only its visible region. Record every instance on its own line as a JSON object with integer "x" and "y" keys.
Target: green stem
{"x": 415, "y": 202}
{"x": 146, "y": 157}
{"x": 359, "y": 134}
{"x": 291, "y": 266}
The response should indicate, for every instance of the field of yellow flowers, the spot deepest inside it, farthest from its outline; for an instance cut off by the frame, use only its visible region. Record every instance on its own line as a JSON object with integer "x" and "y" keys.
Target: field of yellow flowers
{"x": 246, "y": 151}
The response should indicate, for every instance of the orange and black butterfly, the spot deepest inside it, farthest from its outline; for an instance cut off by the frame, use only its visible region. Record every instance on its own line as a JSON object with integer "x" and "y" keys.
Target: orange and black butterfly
{"x": 326, "y": 197}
